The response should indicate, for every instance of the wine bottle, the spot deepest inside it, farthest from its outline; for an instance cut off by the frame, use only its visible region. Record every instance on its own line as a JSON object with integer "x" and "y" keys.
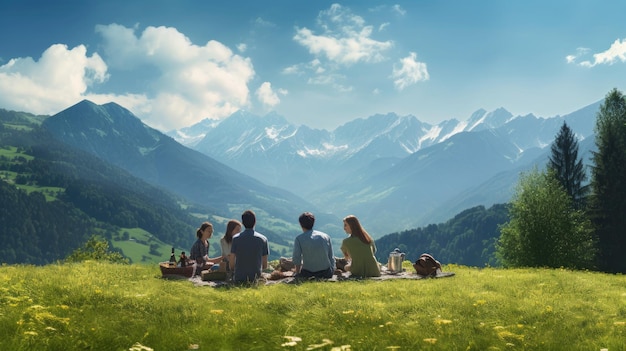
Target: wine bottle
{"x": 172, "y": 259}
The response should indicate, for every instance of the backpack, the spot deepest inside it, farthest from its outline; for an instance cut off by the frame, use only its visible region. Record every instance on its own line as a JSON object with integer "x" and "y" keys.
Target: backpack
{"x": 427, "y": 265}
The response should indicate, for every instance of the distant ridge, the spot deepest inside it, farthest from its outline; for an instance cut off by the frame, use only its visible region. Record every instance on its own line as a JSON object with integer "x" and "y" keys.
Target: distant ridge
{"x": 396, "y": 171}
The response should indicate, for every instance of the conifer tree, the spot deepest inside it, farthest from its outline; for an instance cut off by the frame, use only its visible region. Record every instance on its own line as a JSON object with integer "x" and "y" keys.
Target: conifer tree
{"x": 567, "y": 167}
{"x": 609, "y": 183}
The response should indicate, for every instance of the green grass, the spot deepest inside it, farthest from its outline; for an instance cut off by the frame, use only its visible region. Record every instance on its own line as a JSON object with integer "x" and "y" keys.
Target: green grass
{"x": 18, "y": 127}
{"x": 137, "y": 248}
{"x": 98, "y": 306}
{"x": 11, "y": 153}
{"x": 51, "y": 193}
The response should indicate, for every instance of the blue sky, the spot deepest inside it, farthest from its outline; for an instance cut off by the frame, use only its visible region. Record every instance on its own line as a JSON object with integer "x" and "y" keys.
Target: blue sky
{"x": 319, "y": 63}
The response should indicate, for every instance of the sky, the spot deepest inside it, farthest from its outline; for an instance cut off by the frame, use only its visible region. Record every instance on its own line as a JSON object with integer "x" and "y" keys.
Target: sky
{"x": 319, "y": 63}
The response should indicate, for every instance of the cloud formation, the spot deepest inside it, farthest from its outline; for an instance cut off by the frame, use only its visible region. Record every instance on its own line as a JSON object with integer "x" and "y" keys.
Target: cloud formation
{"x": 345, "y": 39}
{"x": 268, "y": 97}
{"x": 182, "y": 83}
{"x": 409, "y": 72}
{"x": 60, "y": 78}
{"x": 192, "y": 82}
{"x": 398, "y": 9}
{"x": 617, "y": 52}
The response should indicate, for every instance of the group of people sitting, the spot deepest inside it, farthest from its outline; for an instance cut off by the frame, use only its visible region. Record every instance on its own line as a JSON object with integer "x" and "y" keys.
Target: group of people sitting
{"x": 244, "y": 253}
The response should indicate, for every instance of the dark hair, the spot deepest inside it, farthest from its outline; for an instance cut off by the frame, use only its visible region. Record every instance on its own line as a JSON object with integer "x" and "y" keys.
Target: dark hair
{"x": 307, "y": 220}
{"x": 230, "y": 228}
{"x": 357, "y": 230}
{"x": 248, "y": 218}
{"x": 203, "y": 226}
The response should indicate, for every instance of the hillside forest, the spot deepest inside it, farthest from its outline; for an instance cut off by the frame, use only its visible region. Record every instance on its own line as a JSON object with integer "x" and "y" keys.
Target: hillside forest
{"x": 53, "y": 198}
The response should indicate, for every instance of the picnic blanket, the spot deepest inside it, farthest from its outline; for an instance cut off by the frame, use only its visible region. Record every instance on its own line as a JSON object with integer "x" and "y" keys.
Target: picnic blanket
{"x": 288, "y": 278}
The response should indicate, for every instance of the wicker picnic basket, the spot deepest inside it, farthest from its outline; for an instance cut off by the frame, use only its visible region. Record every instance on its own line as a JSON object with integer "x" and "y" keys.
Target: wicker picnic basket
{"x": 168, "y": 271}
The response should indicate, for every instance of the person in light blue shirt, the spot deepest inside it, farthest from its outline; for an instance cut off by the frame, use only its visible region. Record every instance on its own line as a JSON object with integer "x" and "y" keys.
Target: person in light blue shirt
{"x": 312, "y": 251}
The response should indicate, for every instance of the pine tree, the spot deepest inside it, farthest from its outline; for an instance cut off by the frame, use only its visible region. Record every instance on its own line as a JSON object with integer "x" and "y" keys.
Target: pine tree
{"x": 567, "y": 167}
{"x": 609, "y": 183}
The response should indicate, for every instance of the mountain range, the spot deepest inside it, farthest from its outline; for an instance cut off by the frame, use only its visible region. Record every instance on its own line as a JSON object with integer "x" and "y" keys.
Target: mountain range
{"x": 393, "y": 171}
{"x": 115, "y": 135}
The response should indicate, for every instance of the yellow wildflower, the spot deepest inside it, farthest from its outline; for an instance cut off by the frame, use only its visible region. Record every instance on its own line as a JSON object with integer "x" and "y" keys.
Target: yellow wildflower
{"x": 325, "y": 342}
{"x": 293, "y": 338}
{"x": 139, "y": 347}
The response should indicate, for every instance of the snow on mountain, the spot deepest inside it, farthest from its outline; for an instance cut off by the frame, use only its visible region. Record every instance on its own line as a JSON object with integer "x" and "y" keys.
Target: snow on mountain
{"x": 190, "y": 136}
{"x": 243, "y": 135}
{"x": 376, "y": 164}
{"x": 482, "y": 119}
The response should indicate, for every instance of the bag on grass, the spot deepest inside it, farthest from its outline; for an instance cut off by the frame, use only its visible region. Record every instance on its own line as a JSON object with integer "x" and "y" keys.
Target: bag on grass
{"x": 426, "y": 265}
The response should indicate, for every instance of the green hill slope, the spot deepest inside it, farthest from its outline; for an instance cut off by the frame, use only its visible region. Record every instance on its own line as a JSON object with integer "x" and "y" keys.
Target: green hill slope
{"x": 468, "y": 238}
{"x": 97, "y": 306}
{"x": 53, "y": 197}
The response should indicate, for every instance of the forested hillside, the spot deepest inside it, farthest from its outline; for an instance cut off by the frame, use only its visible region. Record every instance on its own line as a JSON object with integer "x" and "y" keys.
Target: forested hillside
{"x": 53, "y": 197}
{"x": 466, "y": 239}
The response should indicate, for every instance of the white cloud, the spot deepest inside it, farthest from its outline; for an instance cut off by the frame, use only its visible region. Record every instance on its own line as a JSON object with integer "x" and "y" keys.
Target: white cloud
{"x": 191, "y": 83}
{"x": 264, "y": 23}
{"x": 398, "y": 9}
{"x": 409, "y": 72}
{"x": 574, "y": 57}
{"x": 570, "y": 58}
{"x": 60, "y": 78}
{"x": 300, "y": 68}
{"x": 293, "y": 69}
{"x": 331, "y": 79}
{"x": 267, "y": 96}
{"x": 186, "y": 84}
{"x": 242, "y": 47}
{"x": 345, "y": 39}
{"x": 616, "y": 52}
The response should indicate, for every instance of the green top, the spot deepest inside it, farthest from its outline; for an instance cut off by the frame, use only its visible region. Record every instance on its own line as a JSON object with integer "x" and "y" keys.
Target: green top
{"x": 364, "y": 263}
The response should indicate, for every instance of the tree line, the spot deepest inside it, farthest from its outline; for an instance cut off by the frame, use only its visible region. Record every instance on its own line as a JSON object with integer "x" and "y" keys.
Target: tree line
{"x": 468, "y": 238}
{"x": 557, "y": 220}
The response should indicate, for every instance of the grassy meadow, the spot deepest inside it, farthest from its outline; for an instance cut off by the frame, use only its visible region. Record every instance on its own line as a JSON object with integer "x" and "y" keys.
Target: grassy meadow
{"x": 101, "y": 306}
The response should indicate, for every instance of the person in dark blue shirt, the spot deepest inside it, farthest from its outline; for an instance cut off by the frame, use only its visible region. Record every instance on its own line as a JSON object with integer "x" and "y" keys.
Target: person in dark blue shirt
{"x": 250, "y": 250}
